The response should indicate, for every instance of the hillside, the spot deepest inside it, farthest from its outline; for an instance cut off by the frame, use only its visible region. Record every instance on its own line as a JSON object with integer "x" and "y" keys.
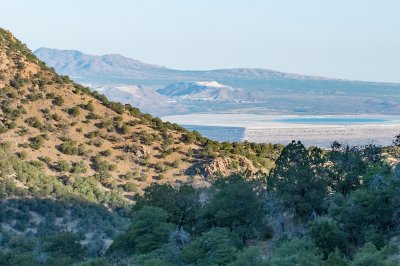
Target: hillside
{"x": 49, "y": 119}
{"x": 73, "y": 161}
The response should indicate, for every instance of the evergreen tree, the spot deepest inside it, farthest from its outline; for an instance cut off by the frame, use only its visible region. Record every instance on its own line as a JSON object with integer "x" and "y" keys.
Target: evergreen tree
{"x": 299, "y": 179}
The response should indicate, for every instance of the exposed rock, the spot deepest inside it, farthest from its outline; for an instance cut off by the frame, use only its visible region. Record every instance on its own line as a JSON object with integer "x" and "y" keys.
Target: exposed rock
{"x": 228, "y": 166}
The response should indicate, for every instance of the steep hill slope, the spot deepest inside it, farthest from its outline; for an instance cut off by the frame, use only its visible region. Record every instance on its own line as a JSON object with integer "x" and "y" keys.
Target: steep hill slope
{"x": 71, "y": 133}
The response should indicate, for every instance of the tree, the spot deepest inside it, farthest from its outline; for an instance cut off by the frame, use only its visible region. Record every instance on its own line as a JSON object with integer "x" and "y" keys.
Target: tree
{"x": 64, "y": 245}
{"x": 298, "y": 251}
{"x": 299, "y": 179}
{"x": 396, "y": 141}
{"x": 235, "y": 205}
{"x": 327, "y": 237}
{"x": 251, "y": 256}
{"x": 17, "y": 258}
{"x": 216, "y": 247}
{"x": 181, "y": 204}
{"x": 348, "y": 166}
{"x": 336, "y": 259}
{"x": 148, "y": 231}
{"x": 366, "y": 212}
{"x": 369, "y": 255}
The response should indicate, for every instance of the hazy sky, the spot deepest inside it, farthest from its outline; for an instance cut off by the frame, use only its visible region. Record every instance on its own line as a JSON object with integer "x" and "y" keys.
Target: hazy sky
{"x": 354, "y": 39}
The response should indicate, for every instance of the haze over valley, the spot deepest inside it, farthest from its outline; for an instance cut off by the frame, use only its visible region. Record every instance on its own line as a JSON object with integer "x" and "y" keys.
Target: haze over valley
{"x": 240, "y": 93}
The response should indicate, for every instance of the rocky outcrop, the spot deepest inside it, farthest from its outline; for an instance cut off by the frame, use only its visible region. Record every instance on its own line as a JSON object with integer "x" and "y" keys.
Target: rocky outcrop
{"x": 227, "y": 166}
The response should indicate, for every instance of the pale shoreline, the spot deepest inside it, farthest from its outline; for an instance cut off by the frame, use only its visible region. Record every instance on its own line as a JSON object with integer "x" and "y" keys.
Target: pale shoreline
{"x": 324, "y": 136}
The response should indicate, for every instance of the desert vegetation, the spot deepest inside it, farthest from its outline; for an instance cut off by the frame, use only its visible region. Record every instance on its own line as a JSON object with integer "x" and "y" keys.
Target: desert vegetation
{"x": 87, "y": 181}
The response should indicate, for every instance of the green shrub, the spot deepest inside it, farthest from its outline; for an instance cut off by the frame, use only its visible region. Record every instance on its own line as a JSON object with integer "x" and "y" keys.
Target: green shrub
{"x": 79, "y": 168}
{"x": 130, "y": 187}
{"x": 74, "y": 111}
{"x": 37, "y": 142}
{"x": 34, "y": 122}
{"x": 58, "y": 100}
{"x": 89, "y": 106}
{"x": 63, "y": 166}
{"x": 69, "y": 147}
{"x": 106, "y": 153}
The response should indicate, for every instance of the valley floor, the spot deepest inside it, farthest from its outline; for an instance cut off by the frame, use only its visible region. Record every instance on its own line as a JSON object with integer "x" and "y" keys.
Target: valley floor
{"x": 311, "y": 130}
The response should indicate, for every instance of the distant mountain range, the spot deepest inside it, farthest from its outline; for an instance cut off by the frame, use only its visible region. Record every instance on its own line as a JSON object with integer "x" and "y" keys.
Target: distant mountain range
{"x": 164, "y": 91}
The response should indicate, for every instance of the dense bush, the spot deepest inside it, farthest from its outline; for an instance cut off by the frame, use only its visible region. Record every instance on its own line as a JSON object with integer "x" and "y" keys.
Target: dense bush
{"x": 69, "y": 147}
{"x": 58, "y": 100}
{"x": 74, "y": 111}
{"x": 37, "y": 142}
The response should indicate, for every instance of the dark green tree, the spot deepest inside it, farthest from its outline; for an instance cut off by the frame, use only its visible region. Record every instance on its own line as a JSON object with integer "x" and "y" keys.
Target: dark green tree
{"x": 148, "y": 231}
{"x": 366, "y": 213}
{"x": 64, "y": 247}
{"x": 297, "y": 251}
{"x": 216, "y": 247}
{"x": 335, "y": 259}
{"x": 299, "y": 179}
{"x": 327, "y": 237}
{"x": 347, "y": 168}
{"x": 251, "y": 256}
{"x": 181, "y": 204}
{"x": 235, "y": 204}
{"x": 370, "y": 255}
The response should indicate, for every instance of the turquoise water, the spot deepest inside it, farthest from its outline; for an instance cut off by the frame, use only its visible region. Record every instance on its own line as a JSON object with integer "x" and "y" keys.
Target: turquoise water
{"x": 332, "y": 120}
{"x": 219, "y": 133}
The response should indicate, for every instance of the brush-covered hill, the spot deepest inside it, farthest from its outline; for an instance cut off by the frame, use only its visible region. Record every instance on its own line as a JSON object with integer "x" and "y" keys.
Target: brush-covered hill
{"x": 71, "y": 134}
{"x": 73, "y": 161}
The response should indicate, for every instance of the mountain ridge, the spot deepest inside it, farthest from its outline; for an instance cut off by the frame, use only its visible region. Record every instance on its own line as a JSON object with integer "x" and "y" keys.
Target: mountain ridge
{"x": 44, "y": 52}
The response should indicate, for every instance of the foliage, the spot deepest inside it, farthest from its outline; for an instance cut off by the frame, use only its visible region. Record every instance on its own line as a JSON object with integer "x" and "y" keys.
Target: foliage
{"x": 181, "y": 204}
{"x": 215, "y": 247}
{"x": 327, "y": 237}
{"x": 148, "y": 231}
{"x": 58, "y": 100}
{"x": 365, "y": 210}
{"x": 235, "y": 205}
{"x": 66, "y": 246}
{"x": 348, "y": 166}
{"x": 251, "y": 256}
{"x": 370, "y": 255}
{"x": 74, "y": 111}
{"x": 37, "y": 142}
{"x": 298, "y": 251}
{"x": 299, "y": 179}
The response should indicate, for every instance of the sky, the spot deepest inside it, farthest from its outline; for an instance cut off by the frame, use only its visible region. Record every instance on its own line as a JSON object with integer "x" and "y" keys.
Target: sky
{"x": 350, "y": 39}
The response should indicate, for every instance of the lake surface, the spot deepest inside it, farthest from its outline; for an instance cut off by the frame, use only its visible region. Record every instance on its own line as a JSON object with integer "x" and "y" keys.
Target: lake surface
{"x": 331, "y": 120}
{"x": 319, "y": 130}
{"x": 231, "y": 134}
